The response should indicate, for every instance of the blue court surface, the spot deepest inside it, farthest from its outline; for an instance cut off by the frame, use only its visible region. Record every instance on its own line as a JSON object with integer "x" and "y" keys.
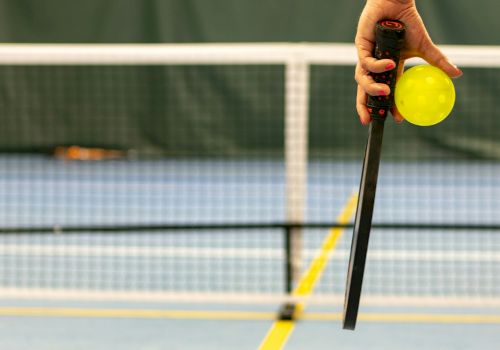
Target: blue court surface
{"x": 431, "y": 289}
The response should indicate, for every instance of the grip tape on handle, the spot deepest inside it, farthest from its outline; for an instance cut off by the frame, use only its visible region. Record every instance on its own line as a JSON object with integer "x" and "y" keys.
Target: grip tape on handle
{"x": 389, "y": 36}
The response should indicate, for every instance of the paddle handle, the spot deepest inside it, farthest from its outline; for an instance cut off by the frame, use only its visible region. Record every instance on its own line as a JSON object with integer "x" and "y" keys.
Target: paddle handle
{"x": 389, "y": 37}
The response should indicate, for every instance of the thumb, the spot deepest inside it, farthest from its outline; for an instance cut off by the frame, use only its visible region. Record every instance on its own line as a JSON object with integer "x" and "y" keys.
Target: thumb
{"x": 434, "y": 56}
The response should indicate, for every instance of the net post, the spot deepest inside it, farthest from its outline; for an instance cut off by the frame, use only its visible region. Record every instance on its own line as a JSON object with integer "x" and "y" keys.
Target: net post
{"x": 296, "y": 147}
{"x": 287, "y": 310}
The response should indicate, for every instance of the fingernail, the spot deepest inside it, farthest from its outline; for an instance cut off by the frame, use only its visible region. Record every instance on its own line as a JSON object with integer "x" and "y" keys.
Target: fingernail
{"x": 390, "y": 66}
{"x": 382, "y": 93}
{"x": 456, "y": 67}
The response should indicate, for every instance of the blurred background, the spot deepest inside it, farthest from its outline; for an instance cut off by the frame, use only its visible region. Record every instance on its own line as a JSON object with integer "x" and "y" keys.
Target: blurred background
{"x": 190, "y": 21}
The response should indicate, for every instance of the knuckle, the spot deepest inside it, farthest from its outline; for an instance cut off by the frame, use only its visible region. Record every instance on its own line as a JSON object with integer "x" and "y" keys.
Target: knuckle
{"x": 357, "y": 77}
{"x": 356, "y": 72}
{"x": 365, "y": 65}
{"x": 440, "y": 59}
{"x": 371, "y": 90}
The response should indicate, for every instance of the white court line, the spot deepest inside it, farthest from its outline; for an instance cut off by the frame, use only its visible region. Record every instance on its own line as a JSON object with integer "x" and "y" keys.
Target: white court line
{"x": 146, "y": 252}
{"x": 240, "y": 253}
{"x": 429, "y": 255}
{"x": 61, "y": 294}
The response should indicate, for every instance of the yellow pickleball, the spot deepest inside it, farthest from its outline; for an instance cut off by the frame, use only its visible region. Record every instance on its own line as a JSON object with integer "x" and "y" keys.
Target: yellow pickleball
{"x": 424, "y": 95}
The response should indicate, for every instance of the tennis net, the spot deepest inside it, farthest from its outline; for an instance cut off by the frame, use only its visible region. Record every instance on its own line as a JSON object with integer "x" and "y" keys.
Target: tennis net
{"x": 214, "y": 173}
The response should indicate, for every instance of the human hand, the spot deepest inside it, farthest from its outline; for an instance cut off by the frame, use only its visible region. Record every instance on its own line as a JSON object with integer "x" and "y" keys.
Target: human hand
{"x": 417, "y": 44}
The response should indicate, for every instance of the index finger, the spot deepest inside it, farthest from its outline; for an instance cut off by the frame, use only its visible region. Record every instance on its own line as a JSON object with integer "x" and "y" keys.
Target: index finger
{"x": 365, "y": 42}
{"x": 365, "y": 37}
{"x": 365, "y": 48}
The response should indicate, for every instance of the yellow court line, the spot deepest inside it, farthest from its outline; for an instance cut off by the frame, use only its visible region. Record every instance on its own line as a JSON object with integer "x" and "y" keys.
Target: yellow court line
{"x": 135, "y": 313}
{"x": 430, "y": 318}
{"x": 281, "y": 330}
{"x": 278, "y": 335}
{"x": 309, "y": 279}
{"x": 409, "y": 318}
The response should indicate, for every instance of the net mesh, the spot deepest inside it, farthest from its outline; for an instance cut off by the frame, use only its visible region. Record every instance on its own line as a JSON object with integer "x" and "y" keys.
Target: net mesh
{"x": 140, "y": 176}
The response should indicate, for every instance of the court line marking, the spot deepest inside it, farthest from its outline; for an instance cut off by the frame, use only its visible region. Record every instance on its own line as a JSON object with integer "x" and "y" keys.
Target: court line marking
{"x": 427, "y": 255}
{"x": 410, "y": 318}
{"x": 241, "y": 253}
{"x": 134, "y": 313}
{"x": 147, "y": 252}
{"x": 332, "y": 299}
{"x": 281, "y": 330}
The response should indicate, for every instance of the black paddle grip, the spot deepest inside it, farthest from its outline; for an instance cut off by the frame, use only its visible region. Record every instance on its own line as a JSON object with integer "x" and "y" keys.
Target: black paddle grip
{"x": 389, "y": 37}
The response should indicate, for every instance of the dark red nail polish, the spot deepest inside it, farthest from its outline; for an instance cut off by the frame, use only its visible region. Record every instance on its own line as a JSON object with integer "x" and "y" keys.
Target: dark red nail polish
{"x": 382, "y": 93}
{"x": 390, "y": 66}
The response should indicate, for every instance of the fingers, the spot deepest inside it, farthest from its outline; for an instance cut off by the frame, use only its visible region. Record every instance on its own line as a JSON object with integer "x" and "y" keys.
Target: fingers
{"x": 364, "y": 116}
{"x": 368, "y": 62}
{"x": 365, "y": 39}
{"x": 371, "y": 64}
{"x": 366, "y": 85}
{"x": 434, "y": 56}
{"x": 369, "y": 86}
{"x": 398, "y": 118}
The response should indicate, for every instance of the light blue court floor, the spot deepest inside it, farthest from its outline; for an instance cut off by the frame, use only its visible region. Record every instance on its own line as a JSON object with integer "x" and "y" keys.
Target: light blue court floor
{"x": 431, "y": 265}
{"x": 42, "y": 191}
{"x": 212, "y": 331}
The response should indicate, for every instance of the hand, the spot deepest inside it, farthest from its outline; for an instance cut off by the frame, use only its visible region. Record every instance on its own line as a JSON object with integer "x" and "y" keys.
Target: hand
{"x": 417, "y": 44}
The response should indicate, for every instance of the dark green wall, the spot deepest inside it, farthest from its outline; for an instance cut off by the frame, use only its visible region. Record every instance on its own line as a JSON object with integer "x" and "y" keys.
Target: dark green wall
{"x": 183, "y": 111}
{"x": 449, "y": 21}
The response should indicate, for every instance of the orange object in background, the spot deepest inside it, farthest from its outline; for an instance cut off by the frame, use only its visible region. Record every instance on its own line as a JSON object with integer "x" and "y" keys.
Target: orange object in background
{"x": 85, "y": 153}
